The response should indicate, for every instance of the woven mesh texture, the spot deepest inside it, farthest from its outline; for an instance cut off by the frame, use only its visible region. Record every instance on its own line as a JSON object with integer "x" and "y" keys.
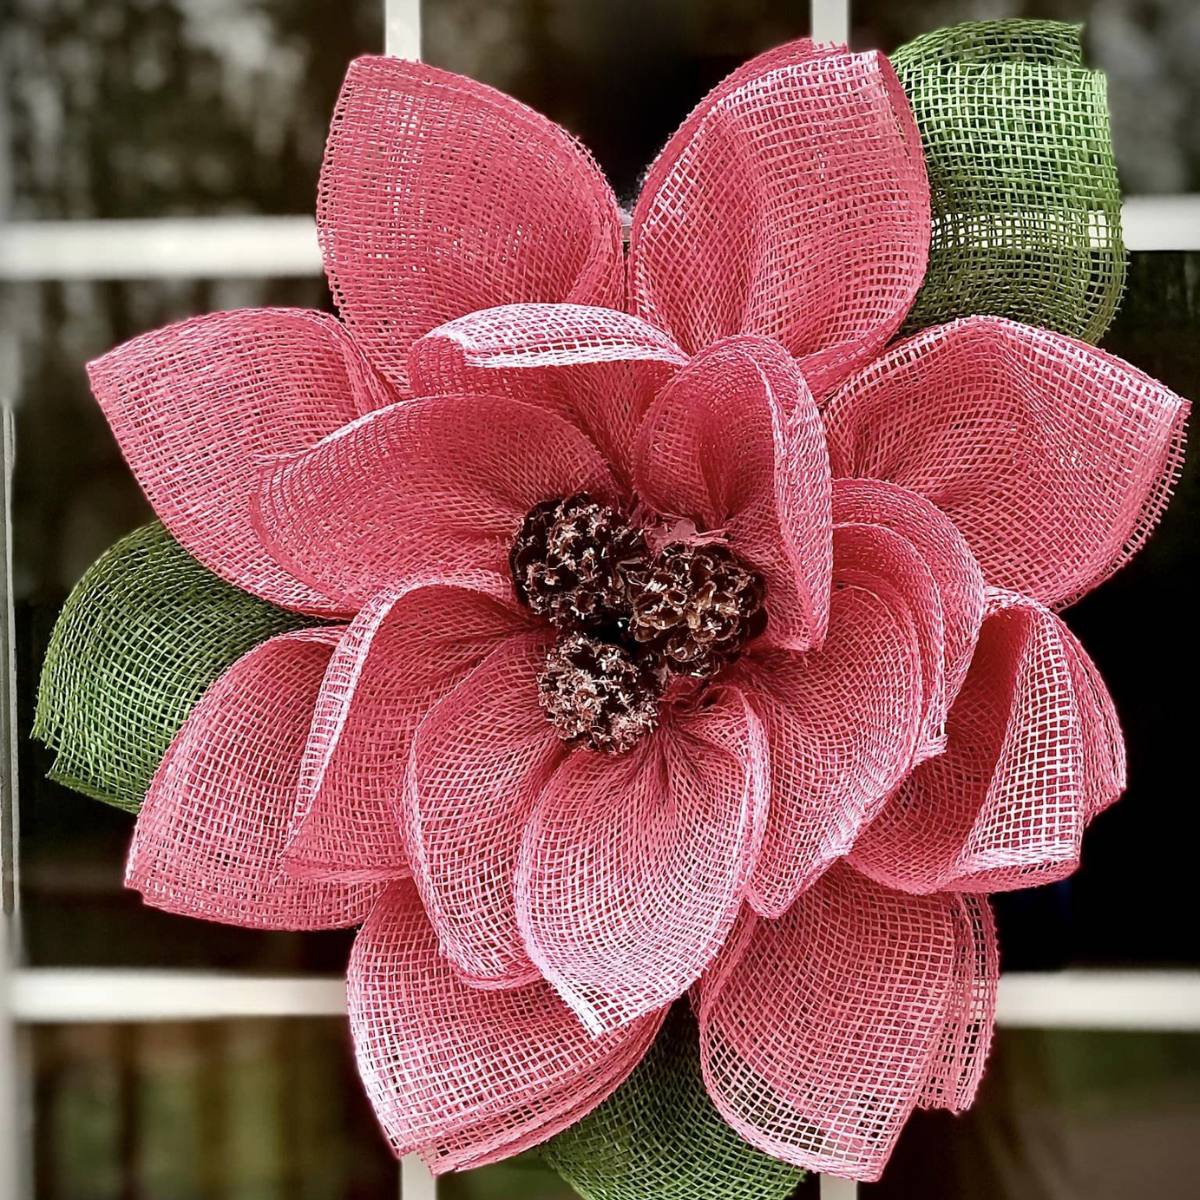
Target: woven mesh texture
{"x": 449, "y": 477}
{"x": 791, "y": 203}
{"x": 195, "y": 433}
{"x": 1026, "y": 207}
{"x": 464, "y": 1075}
{"x": 734, "y": 442}
{"x": 1034, "y": 751}
{"x": 597, "y": 367}
{"x": 1052, "y": 458}
{"x": 822, "y": 1074}
{"x": 141, "y": 636}
{"x": 210, "y": 837}
{"x": 400, "y": 655}
{"x": 439, "y": 196}
{"x": 843, "y": 722}
{"x": 478, "y": 761}
{"x": 658, "y": 1137}
{"x": 633, "y": 868}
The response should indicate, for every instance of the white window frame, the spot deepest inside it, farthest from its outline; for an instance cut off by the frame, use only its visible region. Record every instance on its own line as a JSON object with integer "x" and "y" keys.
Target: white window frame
{"x": 257, "y": 247}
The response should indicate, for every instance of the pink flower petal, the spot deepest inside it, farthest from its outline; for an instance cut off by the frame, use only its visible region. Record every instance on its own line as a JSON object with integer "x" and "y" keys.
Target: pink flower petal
{"x": 478, "y": 761}
{"x": 440, "y": 196}
{"x": 467, "y": 1076}
{"x": 402, "y": 653}
{"x": 945, "y": 551}
{"x": 633, "y": 867}
{"x": 838, "y": 1018}
{"x": 793, "y": 204}
{"x": 957, "y": 1066}
{"x": 734, "y": 443}
{"x": 1034, "y": 750}
{"x": 433, "y": 486}
{"x": 210, "y": 836}
{"x": 1053, "y": 458}
{"x": 844, "y": 722}
{"x": 597, "y": 367}
{"x": 197, "y": 406}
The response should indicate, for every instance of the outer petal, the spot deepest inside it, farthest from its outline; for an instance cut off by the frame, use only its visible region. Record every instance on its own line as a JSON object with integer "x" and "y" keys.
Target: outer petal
{"x": 140, "y": 637}
{"x": 792, "y": 203}
{"x": 658, "y": 1137}
{"x": 595, "y": 366}
{"x": 197, "y": 406}
{"x": 434, "y": 486}
{"x": 477, "y": 764}
{"x": 940, "y": 545}
{"x": 402, "y": 653}
{"x": 1034, "y": 750}
{"x": 210, "y": 836}
{"x": 734, "y": 443}
{"x": 844, "y": 722}
{"x": 1053, "y": 458}
{"x": 440, "y": 196}
{"x": 819, "y": 1041}
{"x": 463, "y": 1075}
{"x": 633, "y": 868}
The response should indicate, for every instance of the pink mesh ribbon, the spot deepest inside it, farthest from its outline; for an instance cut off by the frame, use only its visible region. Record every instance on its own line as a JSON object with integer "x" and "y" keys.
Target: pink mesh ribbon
{"x": 466, "y": 1076}
{"x": 211, "y": 834}
{"x": 824, "y": 1075}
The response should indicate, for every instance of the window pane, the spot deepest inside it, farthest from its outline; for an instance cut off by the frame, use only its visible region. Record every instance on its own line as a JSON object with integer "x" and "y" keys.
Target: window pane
{"x": 126, "y": 109}
{"x": 620, "y": 75}
{"x": 1147, "y": 47}
{"x": 229, "y": 1110}
{"x": 1097, "y": 1115}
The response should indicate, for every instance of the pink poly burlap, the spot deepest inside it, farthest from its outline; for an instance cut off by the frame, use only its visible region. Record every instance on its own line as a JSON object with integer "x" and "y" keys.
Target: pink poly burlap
{"x": 734, "y": 444}
{"x": 597, "y": 367}
{"x": 440, "y": 196}
{"x": 466, "y": 1075}
{"x": 1053, "y": 458}
{"x": 822, "y": 1072}
{"x": 1034, "y": 752}
{"x": 633, "y": 868}
{"x": 434, "y": 486}
{"x": 210, "y": 837}
{"x": 479, "y": 760}
{"x": 195, "y": 407}
{"x": 792, "y": 203}
{"x": 399, "y": 656}
{"x": 843, "y": 724}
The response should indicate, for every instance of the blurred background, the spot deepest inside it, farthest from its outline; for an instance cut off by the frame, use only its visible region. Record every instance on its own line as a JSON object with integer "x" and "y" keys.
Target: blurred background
{"x": 151, "y": 109}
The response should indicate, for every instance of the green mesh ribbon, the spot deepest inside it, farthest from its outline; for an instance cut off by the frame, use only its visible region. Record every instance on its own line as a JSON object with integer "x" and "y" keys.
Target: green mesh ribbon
{"x": 659, "y": 1137}
{"x": 1025, "y": 201}
{"x": 144, "y": 632}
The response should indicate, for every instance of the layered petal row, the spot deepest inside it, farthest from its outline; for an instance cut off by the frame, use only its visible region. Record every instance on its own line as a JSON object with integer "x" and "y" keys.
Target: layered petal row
{"x": 462, "y": 1075}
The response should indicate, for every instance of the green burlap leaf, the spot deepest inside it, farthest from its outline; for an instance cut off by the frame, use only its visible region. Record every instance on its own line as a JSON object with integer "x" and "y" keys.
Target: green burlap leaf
{"x": 140, "y": 637}
{"x": 1025, "y": 201}
{"x": 658, "y": 1137}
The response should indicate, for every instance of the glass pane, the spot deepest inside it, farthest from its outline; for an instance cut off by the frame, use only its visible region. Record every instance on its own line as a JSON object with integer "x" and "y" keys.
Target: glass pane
{"x": 126, "y": 109}
{"x": 229, "y": 1110}
{"x": 1147, "y": 47}
{"x": 620, "y": 75}
{"x": 1071, "y": 1115}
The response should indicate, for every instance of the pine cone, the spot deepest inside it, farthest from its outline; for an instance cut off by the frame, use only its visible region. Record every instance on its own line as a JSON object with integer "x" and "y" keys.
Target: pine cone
{"x": 597, "y": 694}
{"x": 695, "y": 607}
{"x": 568, "y": 562}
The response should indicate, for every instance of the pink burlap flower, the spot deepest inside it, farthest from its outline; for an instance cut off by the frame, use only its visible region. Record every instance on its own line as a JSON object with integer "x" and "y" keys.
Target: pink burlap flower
{"x": 803, "y": 836}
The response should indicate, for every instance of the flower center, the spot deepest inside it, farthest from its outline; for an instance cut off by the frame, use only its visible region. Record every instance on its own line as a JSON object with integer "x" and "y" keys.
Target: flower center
{"x": 628, "y": 618}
